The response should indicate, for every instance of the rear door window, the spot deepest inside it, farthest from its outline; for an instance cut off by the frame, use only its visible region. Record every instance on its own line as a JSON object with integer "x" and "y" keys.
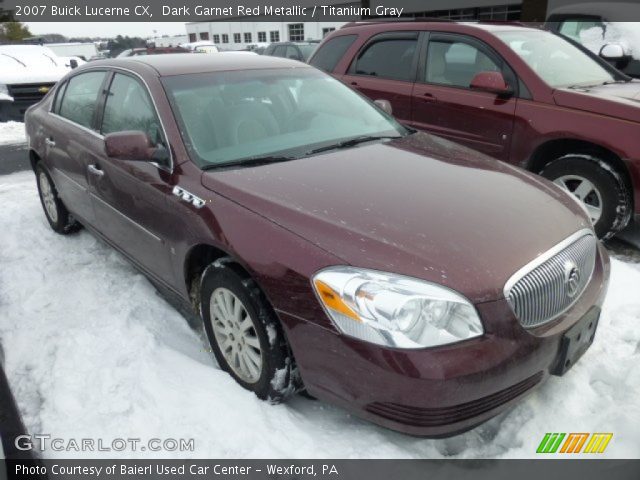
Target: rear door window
{"x": 292, "y": 53}
{"x": 330, "y": 52}
{"x": 59, "y": 95}
{"x": 280, "y": 51}
{"x": 80, "y": 98}
{"x": 389, "y": 57}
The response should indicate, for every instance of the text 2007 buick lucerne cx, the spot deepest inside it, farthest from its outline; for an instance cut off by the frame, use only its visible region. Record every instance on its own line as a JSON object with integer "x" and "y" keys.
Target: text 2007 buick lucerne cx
{"x": 419, "y": 284}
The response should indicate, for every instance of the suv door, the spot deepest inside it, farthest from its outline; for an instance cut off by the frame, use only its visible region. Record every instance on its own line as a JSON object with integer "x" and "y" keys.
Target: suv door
{"x": 385, "y": 69}
{"x": 130, "y": 198}
{"x": 71, "y": 139}
{"x": 444, "y": 104}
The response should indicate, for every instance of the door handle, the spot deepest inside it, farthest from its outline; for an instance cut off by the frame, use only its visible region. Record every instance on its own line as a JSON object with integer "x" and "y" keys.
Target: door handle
{"x": 95, "y": 170}
{"x": 429, "y": 97}
{"x": 354, "y": 84}
{"x": 49, "y": 142}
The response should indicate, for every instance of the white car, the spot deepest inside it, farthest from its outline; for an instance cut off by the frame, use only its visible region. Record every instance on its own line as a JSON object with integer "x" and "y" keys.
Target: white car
{"x": 27, "y": 73}
{"x": 201, "y": 47}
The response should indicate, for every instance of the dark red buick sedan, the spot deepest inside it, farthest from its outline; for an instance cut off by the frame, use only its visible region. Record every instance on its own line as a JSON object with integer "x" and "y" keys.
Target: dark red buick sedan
{"x": 415, "y": 282}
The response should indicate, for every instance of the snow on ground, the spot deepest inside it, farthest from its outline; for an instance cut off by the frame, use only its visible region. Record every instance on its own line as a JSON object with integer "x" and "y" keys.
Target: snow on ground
{"x": 92, "y": 351}
{"x": 12, "y": 133}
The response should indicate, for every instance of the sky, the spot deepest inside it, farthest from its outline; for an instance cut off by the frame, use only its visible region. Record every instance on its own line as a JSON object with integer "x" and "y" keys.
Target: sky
{"x": 107, "y": 29}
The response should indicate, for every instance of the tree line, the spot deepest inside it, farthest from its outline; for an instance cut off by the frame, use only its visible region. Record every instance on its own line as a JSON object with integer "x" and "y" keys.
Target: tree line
{"x": 17, "y": 32}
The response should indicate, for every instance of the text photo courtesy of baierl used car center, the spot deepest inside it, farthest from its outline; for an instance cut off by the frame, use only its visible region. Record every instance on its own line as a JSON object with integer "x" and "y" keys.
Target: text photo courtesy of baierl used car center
{"x": 310, "y": 232}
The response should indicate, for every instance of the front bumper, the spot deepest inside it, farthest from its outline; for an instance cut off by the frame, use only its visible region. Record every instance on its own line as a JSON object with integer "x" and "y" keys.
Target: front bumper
{"x": 14, "y": 110}
{"x": 440, "y": 391}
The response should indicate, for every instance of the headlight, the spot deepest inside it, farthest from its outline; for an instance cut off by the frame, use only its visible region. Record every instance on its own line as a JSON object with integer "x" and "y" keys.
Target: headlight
{"x": 393, "y": 310}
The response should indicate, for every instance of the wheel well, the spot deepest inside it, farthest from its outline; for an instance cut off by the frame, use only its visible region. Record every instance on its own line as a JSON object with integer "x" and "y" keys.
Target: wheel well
{"x": 554, "y": 149}
{"x": 199, "y": 258}
{"x": 203, "y": 255}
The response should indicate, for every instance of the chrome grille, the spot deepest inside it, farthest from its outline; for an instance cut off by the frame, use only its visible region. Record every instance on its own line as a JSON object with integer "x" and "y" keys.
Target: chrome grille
{"x": 548, "y": 286}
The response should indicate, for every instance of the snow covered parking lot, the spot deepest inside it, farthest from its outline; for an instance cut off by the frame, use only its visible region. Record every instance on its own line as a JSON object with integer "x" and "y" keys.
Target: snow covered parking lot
{"x": 92, "y": 351}
{"x": 12, "y": 133}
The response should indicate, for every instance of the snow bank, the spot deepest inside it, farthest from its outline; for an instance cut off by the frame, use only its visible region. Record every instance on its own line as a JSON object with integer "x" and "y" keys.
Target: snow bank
{"x": 12, "y": 133}
{"x": 92, "y": 351}
{"x": 625, "y": 33}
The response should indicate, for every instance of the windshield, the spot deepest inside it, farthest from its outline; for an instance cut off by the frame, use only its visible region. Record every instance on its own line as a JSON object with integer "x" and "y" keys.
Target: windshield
{"x": 558, "y": 62}
{"x": 231, "y": 116}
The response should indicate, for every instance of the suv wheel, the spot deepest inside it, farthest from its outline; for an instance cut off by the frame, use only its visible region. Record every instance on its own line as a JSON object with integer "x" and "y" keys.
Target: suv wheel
{"x": 246, "y": 338}
{"x": 600, "y": 189}
{"x": 58, "y": 216}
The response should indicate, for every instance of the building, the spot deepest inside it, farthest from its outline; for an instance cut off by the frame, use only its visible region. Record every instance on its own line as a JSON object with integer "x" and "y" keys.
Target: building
{"x": 469, "y": 10}
{"x": 237, "y": 35}
{"x": 459, "y": 9}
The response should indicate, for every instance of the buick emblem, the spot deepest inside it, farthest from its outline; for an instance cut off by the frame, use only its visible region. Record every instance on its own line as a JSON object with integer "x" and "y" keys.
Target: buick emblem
{"x": 571, "y": 278}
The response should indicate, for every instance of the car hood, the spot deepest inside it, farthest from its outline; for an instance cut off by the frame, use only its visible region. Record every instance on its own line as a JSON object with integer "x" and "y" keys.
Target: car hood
{"x": 31, "y": 68}
{"x": 419, "y": 206}
{"x": 620, "y": 100}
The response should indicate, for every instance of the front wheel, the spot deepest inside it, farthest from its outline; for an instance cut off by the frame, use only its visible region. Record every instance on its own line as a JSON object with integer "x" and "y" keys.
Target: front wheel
{"x": 246, "y": 338}
{"x": 598, "y": 187}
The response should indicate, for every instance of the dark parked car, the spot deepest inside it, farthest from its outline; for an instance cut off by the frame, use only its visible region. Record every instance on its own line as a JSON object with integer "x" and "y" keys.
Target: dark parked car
{"x": 300, "y": 51}
{"x": 134, "y": 52}
{"x": 416, "y": 282}
{"x": 522, "y": 95}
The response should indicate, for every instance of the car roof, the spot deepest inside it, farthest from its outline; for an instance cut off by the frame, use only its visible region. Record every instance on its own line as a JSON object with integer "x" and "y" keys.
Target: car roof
{"x": 189, "y": 63}
{"x": 440, "y": 25}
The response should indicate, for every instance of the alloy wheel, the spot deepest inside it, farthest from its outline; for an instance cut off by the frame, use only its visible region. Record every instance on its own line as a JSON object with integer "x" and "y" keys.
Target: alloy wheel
{"x": 235, "y": 334}
{"x": 48, "y": 197}
{"x": 585, "y": 191}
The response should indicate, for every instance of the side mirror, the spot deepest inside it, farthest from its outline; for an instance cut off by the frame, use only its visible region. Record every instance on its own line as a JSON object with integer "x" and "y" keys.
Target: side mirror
{"x": 384, "y": 105}
{"x": 491, "y": 82}
{"x": 73, "y": 63}
{"x": 612, "y": 51}
{"x": 134, "y": 145}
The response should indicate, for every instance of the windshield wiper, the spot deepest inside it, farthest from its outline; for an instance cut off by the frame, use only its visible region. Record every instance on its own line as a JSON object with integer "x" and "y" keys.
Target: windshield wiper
{"x": 249, "y": 162}
{"x": 615, "y": 81}
{"x": 352, "y": 142}
{"x": 606, "y": 82}
{"x": 14, "y": 58}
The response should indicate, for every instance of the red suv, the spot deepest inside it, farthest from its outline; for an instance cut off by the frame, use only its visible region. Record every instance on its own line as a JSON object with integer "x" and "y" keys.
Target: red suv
{"x": 522, "y": 95}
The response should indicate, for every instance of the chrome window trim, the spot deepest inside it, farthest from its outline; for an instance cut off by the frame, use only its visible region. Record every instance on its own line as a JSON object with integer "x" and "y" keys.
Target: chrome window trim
{"x": 81, "y": 127}
{"x": 544, "y": 257}
{"x": 112, "y": 69}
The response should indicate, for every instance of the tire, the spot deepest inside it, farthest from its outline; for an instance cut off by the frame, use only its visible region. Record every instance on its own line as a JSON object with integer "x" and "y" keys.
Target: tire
{"x": 237, "y": 341}
{"x": 598, "y": 186}
{"x": 59, "y": 218}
